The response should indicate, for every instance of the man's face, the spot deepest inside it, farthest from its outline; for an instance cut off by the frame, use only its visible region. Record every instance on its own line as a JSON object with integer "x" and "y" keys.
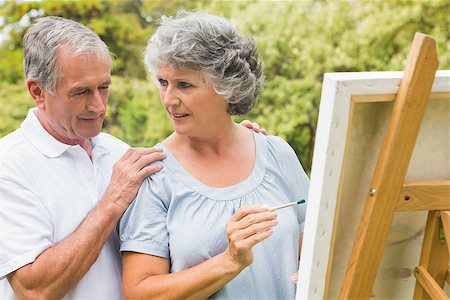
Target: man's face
{"x": 77, "y": 110}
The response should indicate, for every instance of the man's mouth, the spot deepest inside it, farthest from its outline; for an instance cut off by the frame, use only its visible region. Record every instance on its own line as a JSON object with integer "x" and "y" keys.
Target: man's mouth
{"x": 91, "y": 118}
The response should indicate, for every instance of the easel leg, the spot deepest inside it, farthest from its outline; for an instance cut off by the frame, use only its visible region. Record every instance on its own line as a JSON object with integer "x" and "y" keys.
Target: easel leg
{"x": 445, "y": 217}
{"x": 434, "y": 257}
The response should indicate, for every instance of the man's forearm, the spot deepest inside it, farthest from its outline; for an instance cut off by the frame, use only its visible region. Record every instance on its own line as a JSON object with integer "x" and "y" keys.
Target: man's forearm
{"x": 59, "y": 268}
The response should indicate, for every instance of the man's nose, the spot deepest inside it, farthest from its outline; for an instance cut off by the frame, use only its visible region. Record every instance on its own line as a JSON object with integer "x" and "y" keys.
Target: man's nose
{"x": 96, "y": 103}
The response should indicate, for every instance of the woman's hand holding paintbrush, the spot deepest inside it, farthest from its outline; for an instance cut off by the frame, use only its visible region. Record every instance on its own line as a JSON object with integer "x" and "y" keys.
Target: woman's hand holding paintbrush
{"x": 249, "y": 226}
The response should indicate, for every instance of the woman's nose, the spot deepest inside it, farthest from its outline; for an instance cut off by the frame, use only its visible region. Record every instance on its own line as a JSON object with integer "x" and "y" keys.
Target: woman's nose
{"x": 170, "y": 97}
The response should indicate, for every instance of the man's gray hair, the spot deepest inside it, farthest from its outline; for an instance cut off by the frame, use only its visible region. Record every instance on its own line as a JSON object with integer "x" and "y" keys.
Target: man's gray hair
{"x": 42, "y": 40}
{"x": 210, "y": 44}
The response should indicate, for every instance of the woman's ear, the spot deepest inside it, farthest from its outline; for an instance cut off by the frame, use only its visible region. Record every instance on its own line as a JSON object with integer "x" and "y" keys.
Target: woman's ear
{"x": 37, "y": 93}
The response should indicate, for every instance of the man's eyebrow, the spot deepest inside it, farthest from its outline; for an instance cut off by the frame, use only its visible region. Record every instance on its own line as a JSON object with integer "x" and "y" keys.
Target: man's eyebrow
{"x": 81, "y": 88}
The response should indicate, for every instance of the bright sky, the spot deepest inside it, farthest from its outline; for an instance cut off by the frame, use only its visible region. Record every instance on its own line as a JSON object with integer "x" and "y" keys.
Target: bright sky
{"x": 24, "y": 21}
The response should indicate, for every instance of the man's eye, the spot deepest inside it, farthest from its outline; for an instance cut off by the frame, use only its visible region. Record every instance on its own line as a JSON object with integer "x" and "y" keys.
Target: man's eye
{"x": 184, "y": 85}
{"x": 79, "y": 93}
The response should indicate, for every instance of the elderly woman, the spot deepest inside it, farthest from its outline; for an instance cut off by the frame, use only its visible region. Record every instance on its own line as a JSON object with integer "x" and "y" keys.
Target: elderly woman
{"x": 202, "y": 226}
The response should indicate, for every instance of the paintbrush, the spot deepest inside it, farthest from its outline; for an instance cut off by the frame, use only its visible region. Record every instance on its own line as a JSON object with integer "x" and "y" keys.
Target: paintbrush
{"x": 286, "y": 205}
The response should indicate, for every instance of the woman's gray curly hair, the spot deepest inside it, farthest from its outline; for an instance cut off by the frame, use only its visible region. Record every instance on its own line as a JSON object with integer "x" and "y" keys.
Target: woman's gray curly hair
{"x": 210, "y": 44}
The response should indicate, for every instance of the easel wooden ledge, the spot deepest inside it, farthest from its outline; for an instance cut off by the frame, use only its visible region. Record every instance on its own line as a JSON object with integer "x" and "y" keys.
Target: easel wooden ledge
{"x": 389, "y": 193}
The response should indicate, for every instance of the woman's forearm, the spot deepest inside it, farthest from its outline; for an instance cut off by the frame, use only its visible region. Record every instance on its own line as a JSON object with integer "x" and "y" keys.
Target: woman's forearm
{"x": 198, "y": 282}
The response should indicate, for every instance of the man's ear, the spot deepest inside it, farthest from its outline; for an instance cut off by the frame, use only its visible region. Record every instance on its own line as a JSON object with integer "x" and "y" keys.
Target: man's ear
{"x": 37, "y": 93}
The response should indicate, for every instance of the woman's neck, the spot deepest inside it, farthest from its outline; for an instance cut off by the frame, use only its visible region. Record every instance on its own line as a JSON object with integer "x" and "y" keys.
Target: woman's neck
{"x": 217, "y": 161}
{"x": 212, "y": 143}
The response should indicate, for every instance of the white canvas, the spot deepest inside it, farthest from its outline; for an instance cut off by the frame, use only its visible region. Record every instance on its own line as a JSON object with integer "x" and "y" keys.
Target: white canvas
{"x": 353, "y": 115}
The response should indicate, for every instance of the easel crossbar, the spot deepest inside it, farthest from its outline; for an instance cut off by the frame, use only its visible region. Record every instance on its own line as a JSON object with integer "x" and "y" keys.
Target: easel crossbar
{"x": 429, "y": 284}
{"x": 425, "y": 196}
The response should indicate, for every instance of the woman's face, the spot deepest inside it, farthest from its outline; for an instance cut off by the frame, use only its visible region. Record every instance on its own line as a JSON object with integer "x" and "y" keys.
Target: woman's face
{"x": 191, "y": 102}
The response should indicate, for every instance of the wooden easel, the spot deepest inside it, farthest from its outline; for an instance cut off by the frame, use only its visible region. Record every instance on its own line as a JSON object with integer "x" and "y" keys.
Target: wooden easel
{"x": 389, "y": 193}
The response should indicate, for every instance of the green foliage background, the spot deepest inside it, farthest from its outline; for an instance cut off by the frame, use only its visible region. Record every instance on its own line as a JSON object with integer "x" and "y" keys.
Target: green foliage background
{"x": 299, "y": 41}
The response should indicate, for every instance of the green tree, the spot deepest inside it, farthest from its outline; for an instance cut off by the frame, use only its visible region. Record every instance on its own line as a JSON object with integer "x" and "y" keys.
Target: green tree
{"x": 14, "y": 103}
{"x": 299, "y": 41}
{"x": 135, "y": 113}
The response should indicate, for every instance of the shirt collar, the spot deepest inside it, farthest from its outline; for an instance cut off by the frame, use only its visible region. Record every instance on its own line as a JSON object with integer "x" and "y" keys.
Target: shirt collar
{"x": 44, "y": 141}
{"x": 97, "y": 145}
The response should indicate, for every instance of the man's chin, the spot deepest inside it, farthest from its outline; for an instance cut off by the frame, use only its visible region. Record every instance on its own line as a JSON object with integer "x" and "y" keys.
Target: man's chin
{"x": 92, "y": 132}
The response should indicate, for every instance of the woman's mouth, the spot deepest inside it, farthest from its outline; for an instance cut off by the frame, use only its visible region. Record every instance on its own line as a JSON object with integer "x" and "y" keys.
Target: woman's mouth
{"x": 178, "y": 116}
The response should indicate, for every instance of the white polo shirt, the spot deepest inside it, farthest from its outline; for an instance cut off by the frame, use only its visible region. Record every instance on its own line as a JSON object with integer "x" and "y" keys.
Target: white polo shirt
{"x": 46, "y": 190}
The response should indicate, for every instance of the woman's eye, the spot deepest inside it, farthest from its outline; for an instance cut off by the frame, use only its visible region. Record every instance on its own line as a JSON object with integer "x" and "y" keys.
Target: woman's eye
{"x": 162, "y": 82}
{"x": 184, "y": 85}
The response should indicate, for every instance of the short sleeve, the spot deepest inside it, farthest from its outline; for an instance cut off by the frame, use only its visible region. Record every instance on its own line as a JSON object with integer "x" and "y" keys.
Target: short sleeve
{"x": 26, "y": 229}
{"x": 296, "y": 180}
{"x": 143, "y": 227}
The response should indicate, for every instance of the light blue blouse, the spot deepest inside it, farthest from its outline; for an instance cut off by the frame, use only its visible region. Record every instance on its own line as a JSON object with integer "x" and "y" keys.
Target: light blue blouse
{"x": 178, "y": 217}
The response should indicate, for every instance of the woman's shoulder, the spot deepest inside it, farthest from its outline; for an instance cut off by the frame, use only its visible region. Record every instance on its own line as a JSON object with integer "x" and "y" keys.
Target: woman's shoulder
{"x": 166, "y": 176}
{"x": 277, "y": 145}
{"x": 156, "y": 188}
{"x": 277, "y": 151}
{"x": 276, "y": 141}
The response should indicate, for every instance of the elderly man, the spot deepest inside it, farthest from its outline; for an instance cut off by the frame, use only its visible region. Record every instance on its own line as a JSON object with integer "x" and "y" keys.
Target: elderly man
{"x": 63, "y": 184}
